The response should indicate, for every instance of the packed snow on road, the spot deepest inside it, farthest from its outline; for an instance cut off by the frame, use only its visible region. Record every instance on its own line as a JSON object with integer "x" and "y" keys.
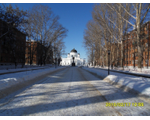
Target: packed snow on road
{"x": 73, "y": 91}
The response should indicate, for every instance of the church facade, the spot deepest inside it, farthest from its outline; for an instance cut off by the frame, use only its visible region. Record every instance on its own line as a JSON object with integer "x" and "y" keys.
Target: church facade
{"x": 72, "y": 58}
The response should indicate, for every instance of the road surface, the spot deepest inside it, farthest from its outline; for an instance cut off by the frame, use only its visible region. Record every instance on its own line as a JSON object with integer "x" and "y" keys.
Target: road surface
{"x": 72, "y": 91}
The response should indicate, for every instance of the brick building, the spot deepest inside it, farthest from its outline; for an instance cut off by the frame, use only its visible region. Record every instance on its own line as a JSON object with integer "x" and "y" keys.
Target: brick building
{"x": 34, "y": 54}
{"x": 130, "y": 50}
{"x": 115, "y": 55}
{"x": 12, "y": 45}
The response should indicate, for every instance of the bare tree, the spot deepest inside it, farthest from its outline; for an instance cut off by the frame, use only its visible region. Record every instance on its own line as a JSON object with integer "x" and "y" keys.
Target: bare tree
{"x": 120, "y": 25}
{"x": 46, "y": 29}
{"x": 114, "y": 21}
{"x": 138, "y": 13}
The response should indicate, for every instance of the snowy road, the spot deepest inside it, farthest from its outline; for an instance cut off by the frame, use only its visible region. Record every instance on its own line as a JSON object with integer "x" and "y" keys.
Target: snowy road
{"x": 72, "y": 91}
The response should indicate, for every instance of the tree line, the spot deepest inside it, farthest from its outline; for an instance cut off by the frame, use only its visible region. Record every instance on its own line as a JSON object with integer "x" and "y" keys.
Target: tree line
{"x": 110, "y": 24}
{"x": 39, "y": 24}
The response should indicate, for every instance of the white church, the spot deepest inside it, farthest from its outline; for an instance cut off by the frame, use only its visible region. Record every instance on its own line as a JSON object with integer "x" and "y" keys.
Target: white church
{"x": 72, "y": 57}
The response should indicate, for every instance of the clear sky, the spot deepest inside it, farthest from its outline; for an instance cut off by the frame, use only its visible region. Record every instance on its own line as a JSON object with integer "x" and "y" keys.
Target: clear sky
{"x": 74, "y": 17}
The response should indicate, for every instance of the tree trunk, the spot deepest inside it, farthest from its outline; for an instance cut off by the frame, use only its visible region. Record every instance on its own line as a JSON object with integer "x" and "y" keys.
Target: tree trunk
{"x": 122, "y": 54}
{"x": 138, "y": 14}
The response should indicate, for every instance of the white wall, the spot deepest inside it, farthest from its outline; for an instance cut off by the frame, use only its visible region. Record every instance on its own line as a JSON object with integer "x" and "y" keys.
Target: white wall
{"x": 77, "y": 60}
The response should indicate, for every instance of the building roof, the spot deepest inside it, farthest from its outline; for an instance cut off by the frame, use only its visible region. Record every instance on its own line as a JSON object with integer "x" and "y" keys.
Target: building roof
{"x": 74, "y": 50}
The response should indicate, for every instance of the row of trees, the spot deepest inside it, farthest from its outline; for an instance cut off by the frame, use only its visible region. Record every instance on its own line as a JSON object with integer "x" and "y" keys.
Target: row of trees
{"x": 110, "y": 24}
{"x": 39, "y": 24}
{"x": 43, "y": 26}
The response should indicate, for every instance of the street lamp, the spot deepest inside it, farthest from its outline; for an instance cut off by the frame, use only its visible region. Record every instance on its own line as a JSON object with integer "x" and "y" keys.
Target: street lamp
{"x": 55, "y": 62}
{"x": 73, "y": 64}
{"x": 108, "y": 60}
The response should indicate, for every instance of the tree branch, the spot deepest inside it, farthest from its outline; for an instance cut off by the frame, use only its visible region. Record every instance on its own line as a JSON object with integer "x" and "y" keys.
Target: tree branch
{"x": 127, "y": 11}
{"x": 120, "y": 15}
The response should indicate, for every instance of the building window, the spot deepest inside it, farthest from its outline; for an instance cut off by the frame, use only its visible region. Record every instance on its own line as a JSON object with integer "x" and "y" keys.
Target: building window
{"x": 133, "y": 55}
{"x": 146, "y": 61}
{"x": 132, "y": 48}
{"x": 136, "y": 54}
{"x": 132, "y": 61}
{"x": 132, "y": 36}
{"x": 134, "y": 43}
{"x": 146, "y": 44}
{"x": 136, "y": 61}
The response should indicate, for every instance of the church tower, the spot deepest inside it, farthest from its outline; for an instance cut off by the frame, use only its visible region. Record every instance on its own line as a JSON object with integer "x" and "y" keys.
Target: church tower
{"x": 73, "y": 59}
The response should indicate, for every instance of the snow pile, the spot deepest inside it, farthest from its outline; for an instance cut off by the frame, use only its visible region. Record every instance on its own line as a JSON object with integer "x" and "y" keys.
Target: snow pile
{"x": 140, "y": 84}
{"x": 3, "y": 67}
{"x": 22, "y": 69}
{"x": 9, "y": 80}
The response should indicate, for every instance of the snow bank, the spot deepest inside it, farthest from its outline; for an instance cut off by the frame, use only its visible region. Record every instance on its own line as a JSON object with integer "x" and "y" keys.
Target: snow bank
{"x": 22, "y": 69}
{"x": 19, "y": 66}
{"x": 139, "y": 84}
{"x": 143, "y": 71}
{"x": 9, "y": 80}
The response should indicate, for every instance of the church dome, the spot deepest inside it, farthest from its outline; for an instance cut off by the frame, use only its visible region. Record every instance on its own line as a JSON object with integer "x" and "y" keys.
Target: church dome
{"x": 74, "y": 50}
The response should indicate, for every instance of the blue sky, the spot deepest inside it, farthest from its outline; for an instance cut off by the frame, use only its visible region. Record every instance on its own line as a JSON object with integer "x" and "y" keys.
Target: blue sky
{"x": 74, "y": 17}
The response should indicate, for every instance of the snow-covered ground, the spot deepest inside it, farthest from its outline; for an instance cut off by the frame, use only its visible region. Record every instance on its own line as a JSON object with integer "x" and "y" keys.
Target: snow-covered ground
{"x": 126, "y": 69}
{"x": 7, "y": 67}
{"x": 23, "y": 69}
{"x": 73, "y": 92}
{"x": 139, "y": 84}
{"x": 9, "y": 80}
